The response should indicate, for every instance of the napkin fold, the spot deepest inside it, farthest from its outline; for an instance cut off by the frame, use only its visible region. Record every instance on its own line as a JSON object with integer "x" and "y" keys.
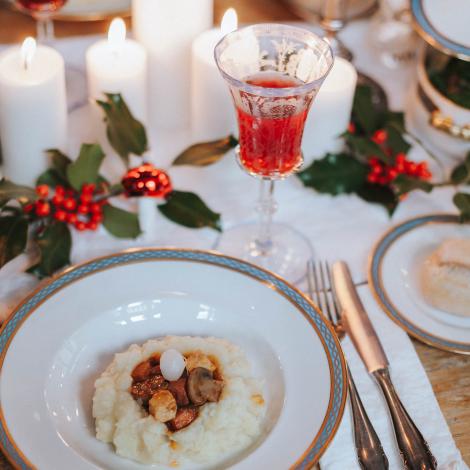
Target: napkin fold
{"x": 414, "y": 389}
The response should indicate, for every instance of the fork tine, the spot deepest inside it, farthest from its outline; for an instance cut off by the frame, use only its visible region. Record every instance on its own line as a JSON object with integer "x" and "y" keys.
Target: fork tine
{"x": 334, "y": 297}
{"x": 312, "y": 282}
{"x": 324, "y": 290}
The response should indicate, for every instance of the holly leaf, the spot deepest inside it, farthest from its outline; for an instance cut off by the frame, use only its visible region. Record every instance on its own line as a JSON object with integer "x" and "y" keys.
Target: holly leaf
{"x": 364, "y": 112}
{"x": 462, "y": 201}
{"x": 206, "y": 153}
{"x": 334, "y": 174}
{"x": 13, "y": 237}
{"x": 378, "y": 194}
{"x": 55, "y": 243}
{"x": 461, "y": 173}
{"x": 52, "y": 178}
{"x": 125, "y": 133}
{"x": 9, "y": 190}
{"x": 59, "y": 160}
{"x": 120, "y": 223}
{"x": 365, "y": 148}
{"x": 86, "y": 167}
{"x": 396, "y": 140}
{"x": 189, "y": 210}
{"x": 404, "y": 184}
{"x": 57, "y": 174}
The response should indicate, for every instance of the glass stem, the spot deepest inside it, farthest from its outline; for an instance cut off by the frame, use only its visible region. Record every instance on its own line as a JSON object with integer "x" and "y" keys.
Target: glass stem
{"x": 266, "y": 207}
{"x": 44, "y": 29}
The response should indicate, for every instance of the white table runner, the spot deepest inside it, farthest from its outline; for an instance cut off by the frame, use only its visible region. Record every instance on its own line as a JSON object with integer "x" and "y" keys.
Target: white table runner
{"x": 414, "y": 389}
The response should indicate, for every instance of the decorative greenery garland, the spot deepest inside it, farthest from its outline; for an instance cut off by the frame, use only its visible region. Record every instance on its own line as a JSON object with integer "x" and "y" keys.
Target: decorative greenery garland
{"x": 374, "y": 165}
{"x": 74, "y": 194}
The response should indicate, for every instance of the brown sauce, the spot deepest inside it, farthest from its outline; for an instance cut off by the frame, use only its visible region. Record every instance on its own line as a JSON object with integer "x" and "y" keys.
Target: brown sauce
{"x": 147, "y": 379}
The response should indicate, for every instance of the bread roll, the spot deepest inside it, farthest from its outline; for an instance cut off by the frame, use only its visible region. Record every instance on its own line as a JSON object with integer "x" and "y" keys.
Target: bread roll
{"x": 445, "y": 277}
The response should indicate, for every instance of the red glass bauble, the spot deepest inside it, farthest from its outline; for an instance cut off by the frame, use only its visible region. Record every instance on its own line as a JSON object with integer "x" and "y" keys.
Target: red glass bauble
{"x": 146, "y": 180}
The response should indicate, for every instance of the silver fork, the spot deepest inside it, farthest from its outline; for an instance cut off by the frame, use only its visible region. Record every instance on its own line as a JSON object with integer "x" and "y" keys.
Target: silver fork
{"x": 370, "y": 453}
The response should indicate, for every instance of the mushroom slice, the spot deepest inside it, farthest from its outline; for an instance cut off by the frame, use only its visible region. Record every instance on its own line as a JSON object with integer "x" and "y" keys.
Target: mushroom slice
{"x": 199, "y": 359}
{"x": 202, "y": 387}
{"x": 162, "y": 406}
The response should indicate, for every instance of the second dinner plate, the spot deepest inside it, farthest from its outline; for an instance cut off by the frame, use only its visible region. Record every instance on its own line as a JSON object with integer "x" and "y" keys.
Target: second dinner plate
{"x": 394, "y": 275}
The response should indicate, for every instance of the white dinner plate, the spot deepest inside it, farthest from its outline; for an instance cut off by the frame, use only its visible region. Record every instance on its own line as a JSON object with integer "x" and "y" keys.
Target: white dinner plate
{"x": 91, "y": 10}
{"x": 62, "y": 337}
{"x": 394, "y": 274}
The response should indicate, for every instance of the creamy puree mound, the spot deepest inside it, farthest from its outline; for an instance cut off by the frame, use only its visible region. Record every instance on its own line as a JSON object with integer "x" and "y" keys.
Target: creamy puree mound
{"x": 179, "y": 422}
{"x": 445, "y": 277}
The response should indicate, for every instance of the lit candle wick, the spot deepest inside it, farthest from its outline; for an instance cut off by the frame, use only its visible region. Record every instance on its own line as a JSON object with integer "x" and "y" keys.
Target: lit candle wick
{"x": 116, "y": 35}
{"x": 28, "y": 50}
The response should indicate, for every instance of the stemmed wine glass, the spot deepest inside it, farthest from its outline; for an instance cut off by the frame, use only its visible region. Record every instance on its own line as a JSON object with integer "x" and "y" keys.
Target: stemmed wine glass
{"x": 273, "y": 72}
{"x": 42, "y": 11}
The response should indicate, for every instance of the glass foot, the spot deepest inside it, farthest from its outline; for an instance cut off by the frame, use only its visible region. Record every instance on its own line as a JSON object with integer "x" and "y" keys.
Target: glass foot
{"x": 286, "y": 256}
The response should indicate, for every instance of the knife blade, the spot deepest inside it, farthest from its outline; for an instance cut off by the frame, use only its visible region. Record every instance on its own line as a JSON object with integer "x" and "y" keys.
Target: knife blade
{"x": 413, "y": 448}
{"x": 356, "y": 321}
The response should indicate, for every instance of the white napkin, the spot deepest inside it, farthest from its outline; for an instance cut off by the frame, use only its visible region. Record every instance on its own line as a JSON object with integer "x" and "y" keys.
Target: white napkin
{"x": 414, "y": 389}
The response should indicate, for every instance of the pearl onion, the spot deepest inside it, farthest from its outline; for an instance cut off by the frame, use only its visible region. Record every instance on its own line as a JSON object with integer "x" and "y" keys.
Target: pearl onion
{"x": 172, "y": 364}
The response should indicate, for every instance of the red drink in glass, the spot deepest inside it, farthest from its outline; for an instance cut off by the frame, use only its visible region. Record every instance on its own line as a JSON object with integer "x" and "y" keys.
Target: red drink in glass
{"x": 41, "y": 6}
{"x": 271, "y": 128}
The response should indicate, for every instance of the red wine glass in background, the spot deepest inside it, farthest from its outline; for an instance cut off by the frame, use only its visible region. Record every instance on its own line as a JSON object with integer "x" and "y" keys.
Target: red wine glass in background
{"x": 42, "y": 11}
{"x": 273, "y": 72}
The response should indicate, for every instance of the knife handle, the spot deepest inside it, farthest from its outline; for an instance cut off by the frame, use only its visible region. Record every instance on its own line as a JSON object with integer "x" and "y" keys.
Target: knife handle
{"x": 370, "y": 453}
{"x": 413, "y": 448}
{"x": 355, "y": 319}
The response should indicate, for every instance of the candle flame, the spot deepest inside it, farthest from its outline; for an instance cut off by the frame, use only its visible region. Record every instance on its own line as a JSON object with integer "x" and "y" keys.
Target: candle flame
{"x": 229, "y": 21}
{"x": 27, "y": 51}
{"x": 117, "y": 32}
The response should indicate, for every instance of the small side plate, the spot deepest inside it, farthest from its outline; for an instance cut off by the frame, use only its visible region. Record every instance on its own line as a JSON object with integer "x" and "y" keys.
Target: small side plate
{"x": 394, "y": 271}
{"x": 444, "y": 25}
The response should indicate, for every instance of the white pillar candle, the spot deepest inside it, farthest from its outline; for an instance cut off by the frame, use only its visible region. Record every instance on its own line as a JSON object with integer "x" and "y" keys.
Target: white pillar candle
{"x": 33, "y": 110}
{"x": 167, "y": 29}
{"x": 212, "y": 111}
{"x": 331, "y": 111}
{"x": 118, "y": 65}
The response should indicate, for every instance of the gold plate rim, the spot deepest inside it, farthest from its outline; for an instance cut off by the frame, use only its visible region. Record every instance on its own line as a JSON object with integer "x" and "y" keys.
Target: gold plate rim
{"x": 270, "y": 285}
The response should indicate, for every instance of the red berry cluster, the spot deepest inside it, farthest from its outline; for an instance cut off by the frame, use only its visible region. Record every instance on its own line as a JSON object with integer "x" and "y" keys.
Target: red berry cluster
{"x": 381, "y": 173}
{"x": 67, "y": 205}
{"x": 384, "y": 174}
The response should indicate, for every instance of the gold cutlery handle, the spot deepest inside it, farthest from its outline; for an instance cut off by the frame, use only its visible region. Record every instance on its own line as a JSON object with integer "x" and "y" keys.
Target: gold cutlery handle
{"x": 370, "y": 453}
{"x": 413, "y": 448}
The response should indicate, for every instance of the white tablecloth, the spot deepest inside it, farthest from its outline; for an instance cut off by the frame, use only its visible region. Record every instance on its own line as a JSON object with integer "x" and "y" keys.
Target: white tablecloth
{"x": 342, "y": 227}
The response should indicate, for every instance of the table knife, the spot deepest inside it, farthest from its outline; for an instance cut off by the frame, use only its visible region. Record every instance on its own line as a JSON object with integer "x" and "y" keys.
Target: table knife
{"x": 413, "y": 448}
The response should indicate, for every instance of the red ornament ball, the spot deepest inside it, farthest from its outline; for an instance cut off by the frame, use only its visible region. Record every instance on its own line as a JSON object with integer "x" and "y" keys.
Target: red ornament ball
{"x": 146, "y": 180}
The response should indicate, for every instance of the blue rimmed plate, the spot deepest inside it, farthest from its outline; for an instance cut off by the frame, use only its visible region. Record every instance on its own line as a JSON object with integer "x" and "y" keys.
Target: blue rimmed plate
{"x": 60, "y": 339}
{"x": 444, "y": 25}
{"x": 394, "y": 276}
